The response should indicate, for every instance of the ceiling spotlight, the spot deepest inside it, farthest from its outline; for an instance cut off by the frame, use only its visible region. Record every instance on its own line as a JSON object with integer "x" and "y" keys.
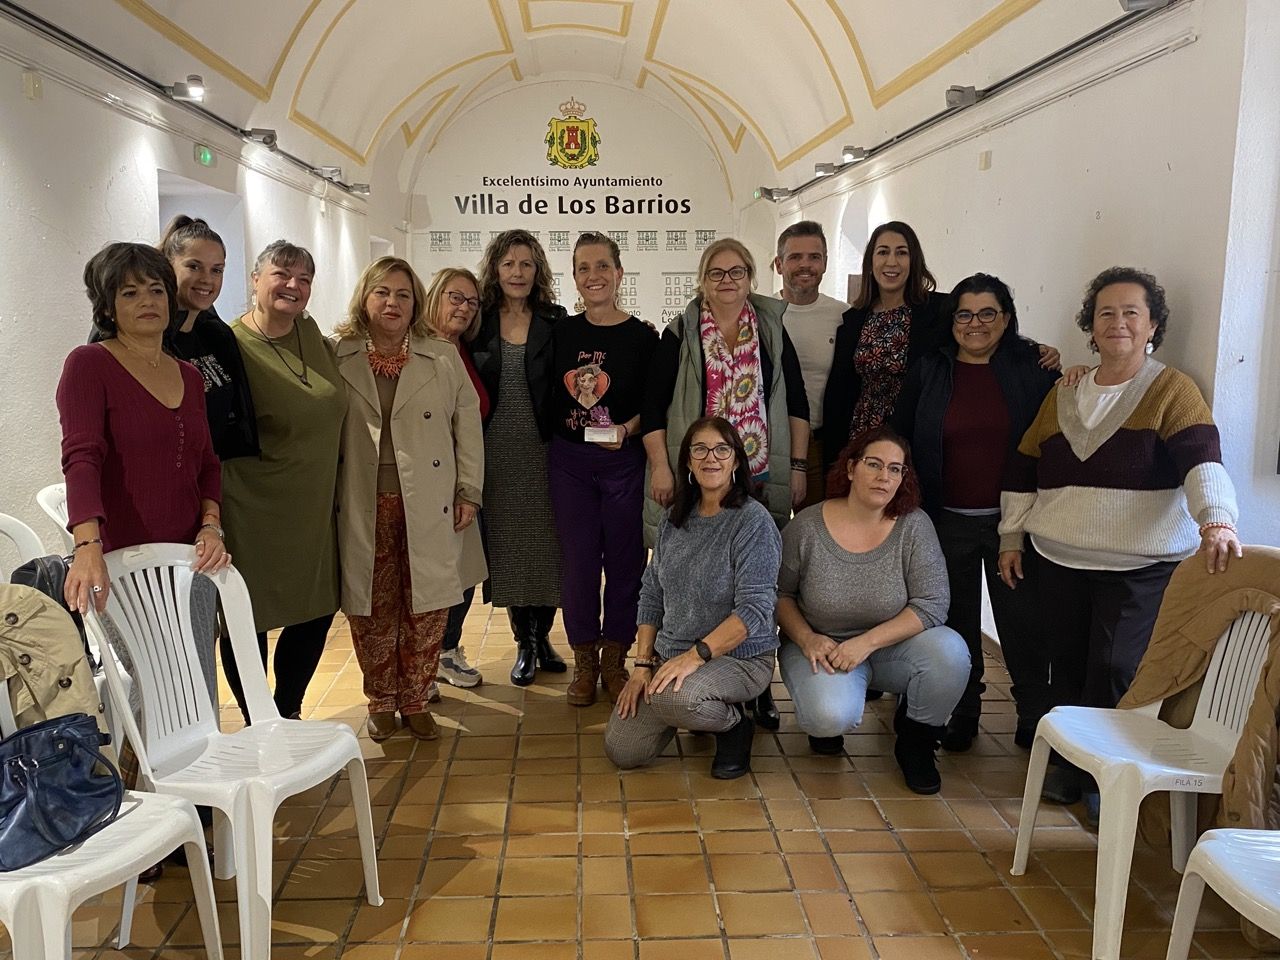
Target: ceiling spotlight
{"x": 1133, "y": 6}
{"x": 772, "y": 194}
{"x": 360, "y": 189}
{"x": 330, "y": 173}
{"x": 265, "y": 136}
{"x": 191, "y": 89}
{"x": 854, "y": 154}
{"x": 823, "y": 169}
{"x": 962, "y": 96}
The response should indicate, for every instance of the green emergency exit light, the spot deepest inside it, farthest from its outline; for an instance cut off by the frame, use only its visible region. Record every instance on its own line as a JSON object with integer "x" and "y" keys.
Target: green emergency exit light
{"x": 205, "y": 155}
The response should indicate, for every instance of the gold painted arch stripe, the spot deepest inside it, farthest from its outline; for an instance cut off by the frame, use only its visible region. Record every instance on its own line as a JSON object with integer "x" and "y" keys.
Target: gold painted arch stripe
{"x": 623, "y": 29}
{"x": 174, "y": 33}
{"x": 515, "y": 75}
{"x": 411, "y": 133}
{"x": 711, "y": 140}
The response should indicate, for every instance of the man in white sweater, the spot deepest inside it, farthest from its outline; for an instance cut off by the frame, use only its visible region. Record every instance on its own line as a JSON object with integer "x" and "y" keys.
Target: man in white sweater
{"x": 811, "y": 320}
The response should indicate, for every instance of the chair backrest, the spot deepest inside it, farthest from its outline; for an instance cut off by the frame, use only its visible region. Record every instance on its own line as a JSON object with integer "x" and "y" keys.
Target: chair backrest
{"x": 24, "y": 540}
{"x": 149, "y": 612}
{"x": 53, "y": 501}
{"x": 1232, "y": 679}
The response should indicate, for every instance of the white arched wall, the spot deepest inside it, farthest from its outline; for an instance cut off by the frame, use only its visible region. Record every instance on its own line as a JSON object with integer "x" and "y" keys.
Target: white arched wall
{"x": 1125, "y": 154}
{"x": 503, "y": 137}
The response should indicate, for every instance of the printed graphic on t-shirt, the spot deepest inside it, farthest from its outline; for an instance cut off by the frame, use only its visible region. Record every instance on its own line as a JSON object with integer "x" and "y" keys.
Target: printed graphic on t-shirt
{"x": 211, "y": 371}
{"x": 587, "y": 384}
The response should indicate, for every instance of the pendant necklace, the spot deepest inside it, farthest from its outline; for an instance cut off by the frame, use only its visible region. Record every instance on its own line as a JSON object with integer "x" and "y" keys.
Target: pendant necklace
{"x": 302, "y": 377}
{"x": 153, "y": 364}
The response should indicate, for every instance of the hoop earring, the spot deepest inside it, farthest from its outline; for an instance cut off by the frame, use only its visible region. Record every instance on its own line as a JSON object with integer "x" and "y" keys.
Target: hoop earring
{"x": 691, "y": 480}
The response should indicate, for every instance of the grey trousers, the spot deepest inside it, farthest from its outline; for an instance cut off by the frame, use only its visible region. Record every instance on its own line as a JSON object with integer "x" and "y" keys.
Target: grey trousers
{"x": 702, "y": 703}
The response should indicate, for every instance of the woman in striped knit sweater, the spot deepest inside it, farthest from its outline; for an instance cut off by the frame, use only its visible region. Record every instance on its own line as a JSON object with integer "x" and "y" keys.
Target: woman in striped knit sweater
{"x": 1118, "y": 479}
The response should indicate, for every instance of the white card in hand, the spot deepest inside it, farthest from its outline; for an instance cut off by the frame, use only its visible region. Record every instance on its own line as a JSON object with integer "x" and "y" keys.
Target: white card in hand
{"x": 601, "y": 434}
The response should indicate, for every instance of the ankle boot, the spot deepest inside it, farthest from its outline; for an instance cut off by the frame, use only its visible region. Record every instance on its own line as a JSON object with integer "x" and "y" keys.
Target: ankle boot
{"x": 765, "y": 712}
{"x": 733, "y": 749}
{"x": 525, "y": 668}
{"x": 914, "y": 752}
{"x": 961, "y": 732}
{"x": 613, "y": 671}
{"x": 586, "y": 673}
{"x": 540, "y": 621}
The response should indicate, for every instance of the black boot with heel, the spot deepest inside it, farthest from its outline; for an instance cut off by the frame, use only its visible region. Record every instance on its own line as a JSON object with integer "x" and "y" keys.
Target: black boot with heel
{"x": 525, "y": 668}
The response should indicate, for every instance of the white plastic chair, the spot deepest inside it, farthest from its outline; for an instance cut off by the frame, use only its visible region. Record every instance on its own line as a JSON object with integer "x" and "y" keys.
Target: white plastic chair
{"x": 53, "y": 501}
{"x": 1243, "y": 867}
{"x": 245, "y": 775}
{"x": 1132, "y": 753}
{"x": 24, "y": 541}
{"x": 37, "y": 902}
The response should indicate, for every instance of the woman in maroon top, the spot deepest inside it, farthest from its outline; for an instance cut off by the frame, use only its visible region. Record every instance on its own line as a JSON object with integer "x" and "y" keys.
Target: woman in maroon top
{"x": 136, "y": 451}
{"x": 964, "y": 407}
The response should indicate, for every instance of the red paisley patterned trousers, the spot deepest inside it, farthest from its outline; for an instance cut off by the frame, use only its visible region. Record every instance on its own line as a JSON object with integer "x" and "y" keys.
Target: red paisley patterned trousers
{"x": 398, "y": 650}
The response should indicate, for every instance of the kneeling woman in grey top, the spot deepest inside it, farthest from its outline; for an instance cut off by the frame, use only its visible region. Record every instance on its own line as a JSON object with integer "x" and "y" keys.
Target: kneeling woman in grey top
{"x": 706, "y": 636}
{"x": 862, "y": 597}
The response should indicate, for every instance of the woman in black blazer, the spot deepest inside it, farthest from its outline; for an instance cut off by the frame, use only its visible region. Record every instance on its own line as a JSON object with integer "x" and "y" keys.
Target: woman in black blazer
{"x": 513, "y": 356}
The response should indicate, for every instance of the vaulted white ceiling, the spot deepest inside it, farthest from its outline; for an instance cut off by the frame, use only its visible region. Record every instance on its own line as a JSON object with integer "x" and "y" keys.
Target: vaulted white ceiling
{"x": 796, "y": 79}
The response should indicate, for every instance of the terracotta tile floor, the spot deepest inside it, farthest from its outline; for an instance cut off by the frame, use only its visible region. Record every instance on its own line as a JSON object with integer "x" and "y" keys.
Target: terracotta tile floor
{"x": 514, "y": 838}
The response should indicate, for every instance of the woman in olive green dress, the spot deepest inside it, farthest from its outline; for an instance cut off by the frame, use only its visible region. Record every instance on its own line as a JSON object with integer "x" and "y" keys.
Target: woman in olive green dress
{"x": 278, "y": 507}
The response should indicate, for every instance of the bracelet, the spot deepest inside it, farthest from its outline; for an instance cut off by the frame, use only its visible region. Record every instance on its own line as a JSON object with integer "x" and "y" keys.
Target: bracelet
{"x": 647, "y": 664}
{"x": 218, "y": 532}
{"x": 625, "y": 432}
{"x": 1217, "y": 525}
{"x": 85, "y": 543}
{"x": 799, "y": 463}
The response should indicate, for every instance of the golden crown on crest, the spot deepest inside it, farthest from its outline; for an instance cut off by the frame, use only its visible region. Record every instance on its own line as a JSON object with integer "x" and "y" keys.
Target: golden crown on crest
{"x": 572, "y": 108}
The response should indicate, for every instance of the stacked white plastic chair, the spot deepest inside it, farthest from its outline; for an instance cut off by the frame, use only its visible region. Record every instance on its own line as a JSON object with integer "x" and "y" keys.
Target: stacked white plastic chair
{"x": 246, "y": 775}
{"x": 1132, "y": 753}
{"x": 37, "y": 902}
{"x": 1242, "y": 867}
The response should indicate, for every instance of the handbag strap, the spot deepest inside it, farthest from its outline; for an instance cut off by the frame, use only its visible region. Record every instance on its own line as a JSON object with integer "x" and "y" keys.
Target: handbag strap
{"x": 31, "y": 777}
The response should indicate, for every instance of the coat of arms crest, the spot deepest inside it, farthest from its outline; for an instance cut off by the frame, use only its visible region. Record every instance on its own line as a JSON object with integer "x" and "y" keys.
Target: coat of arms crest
{"x": 572, "y": 141}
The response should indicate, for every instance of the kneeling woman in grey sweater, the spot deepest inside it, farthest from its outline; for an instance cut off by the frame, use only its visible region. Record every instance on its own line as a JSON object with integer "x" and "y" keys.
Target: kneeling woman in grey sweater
{"x": 862, "y": 598}
{"x": 706, "y": 636}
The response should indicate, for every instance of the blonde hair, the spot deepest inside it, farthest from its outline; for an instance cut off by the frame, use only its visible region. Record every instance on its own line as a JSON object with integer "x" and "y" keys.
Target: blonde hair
{"x": 356, "y": 325}
{"x": 435, "y": 293}
{"x": 720, "y": 246}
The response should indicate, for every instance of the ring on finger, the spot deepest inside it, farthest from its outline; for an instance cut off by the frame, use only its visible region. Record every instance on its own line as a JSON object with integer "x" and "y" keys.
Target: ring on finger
{"x": 96, "y": 588}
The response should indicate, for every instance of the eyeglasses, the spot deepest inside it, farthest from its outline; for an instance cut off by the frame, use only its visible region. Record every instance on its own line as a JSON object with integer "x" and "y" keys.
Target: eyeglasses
{"x": 457, "y": 299}
{"x": 715, "y": 274}
{"x": 985, "y": 315}
{"x": 875, "y": 465}
{"x": 721, "y": 451}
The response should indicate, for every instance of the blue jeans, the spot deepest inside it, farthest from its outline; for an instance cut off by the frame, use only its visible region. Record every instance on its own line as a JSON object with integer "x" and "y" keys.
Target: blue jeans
{"x": 931, "y": 669}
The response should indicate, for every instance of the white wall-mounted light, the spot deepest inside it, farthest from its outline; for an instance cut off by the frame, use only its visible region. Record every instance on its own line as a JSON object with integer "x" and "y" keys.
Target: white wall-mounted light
{"x": 772, "y": 194}
{"x": 190, "y": 90}
{"x": 330, "y": 173}
{"x": 360, "y": 189}
{"x": 851, "y": 154}
{"x": 265, "y": 136}
{"x": 823, "y": 169}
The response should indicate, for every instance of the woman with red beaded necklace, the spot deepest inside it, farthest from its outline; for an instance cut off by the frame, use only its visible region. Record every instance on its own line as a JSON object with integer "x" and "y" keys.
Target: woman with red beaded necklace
{"x": 409, "y": 484}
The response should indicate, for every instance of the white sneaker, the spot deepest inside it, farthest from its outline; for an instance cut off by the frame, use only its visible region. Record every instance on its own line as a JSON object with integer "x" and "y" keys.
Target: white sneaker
{"x": 455, "y": 669}
{"x": 433, "y": 693}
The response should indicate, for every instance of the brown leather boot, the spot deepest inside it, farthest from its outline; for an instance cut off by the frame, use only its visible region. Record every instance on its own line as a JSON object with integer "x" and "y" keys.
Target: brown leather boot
{"x": 381, "y": 725}
{"x": 613, "y": 671}
{"x": 422, "y": 725}
{"x": 586, "y": 671}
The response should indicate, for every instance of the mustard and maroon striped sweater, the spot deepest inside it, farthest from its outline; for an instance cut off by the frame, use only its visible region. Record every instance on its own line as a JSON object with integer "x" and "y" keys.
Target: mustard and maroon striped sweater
{"x": 1131, "y": 491}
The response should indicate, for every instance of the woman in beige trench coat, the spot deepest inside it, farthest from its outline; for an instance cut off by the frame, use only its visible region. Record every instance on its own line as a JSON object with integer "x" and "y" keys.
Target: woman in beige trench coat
{"x": 409, "y": 483}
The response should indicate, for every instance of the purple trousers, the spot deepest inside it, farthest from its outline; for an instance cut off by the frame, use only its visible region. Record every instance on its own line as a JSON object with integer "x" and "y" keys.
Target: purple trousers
{"x": 598, "y": 498}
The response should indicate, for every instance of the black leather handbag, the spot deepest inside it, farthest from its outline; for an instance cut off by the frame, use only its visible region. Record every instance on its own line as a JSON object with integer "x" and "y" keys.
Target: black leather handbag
{"x": 56, "y": 789}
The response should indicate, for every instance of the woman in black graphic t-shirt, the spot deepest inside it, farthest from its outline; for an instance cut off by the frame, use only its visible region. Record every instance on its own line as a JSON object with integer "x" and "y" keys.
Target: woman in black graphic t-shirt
{"x": 601, "y": 360}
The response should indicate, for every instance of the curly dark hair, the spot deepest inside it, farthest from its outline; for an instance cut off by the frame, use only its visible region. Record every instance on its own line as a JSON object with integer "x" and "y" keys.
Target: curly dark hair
{"x": 543, "y": 292}
{"x": 838, "y": 483}
{"x": 113, "y": 266}
{"x": 1156, "y": 302}
{"x": 688, "y": 492}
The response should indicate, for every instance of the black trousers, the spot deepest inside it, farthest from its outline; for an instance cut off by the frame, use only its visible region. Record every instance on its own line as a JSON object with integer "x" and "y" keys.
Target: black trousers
{"x": 457, "y": 614}
{"x": 1098, "y": 624}
{"x": 298, "y": 651}
{"x": 971, "y": 547}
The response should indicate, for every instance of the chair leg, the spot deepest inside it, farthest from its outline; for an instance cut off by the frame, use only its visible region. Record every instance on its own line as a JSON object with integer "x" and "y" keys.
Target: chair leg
{"x": 224, "y": 846}
{"x": 128, "y": 901}
{"x": 1184, "y": 916}
{"x": 253, "y": 844}
{"x": 40, "y": 930}
{"x": 1036, "y": 768}
{"x": 364, "y": 826}
{"x": 1182, "y": 822}
{"x": 1120, "y": 792}
{"x": 202, "y": 887}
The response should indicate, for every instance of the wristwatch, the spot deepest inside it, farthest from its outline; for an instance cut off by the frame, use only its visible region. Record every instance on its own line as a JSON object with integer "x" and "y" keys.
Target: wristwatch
{"x": 703, "y": 651}
{"x": 217, "y": 530}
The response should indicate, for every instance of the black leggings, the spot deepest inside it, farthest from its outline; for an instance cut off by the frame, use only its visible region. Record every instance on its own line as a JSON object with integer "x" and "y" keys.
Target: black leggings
{"x": 298, "y": 651}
